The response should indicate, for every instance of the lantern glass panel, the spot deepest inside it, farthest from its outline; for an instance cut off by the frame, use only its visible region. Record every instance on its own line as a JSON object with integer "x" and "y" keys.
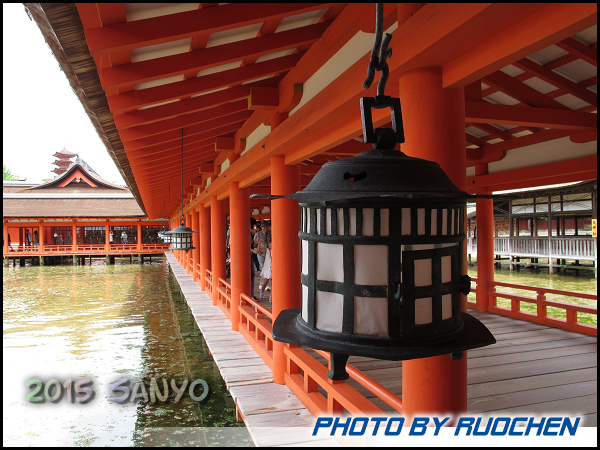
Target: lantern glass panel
{"x": 423, "y": 311}
{"x": 423, "y": 272}
{"x": 370, "y": 264}
{"x": 434, "y": 214}
{"x": 328, "y": 221}
{"x": 446, "y": 306}
{"x": 405, "y": 221}
{"x": 352, "y": 222}
{"x": 340, "y": 221}
{"x": 367, "y": 225}
{"x": 446, "y": 269}
{"x": 305, "y": 303}
{"x": 385, "y": 222}
{"x": 329, "y": 308}
{"x": 371, "y": 316}
{"x": 305, "y": 257}
{"x": 330, "y": 262}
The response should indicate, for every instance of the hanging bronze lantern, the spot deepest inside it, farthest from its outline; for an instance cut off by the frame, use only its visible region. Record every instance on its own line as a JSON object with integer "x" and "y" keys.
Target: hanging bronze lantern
{"x": 382, "y": 238}
{"x": 180, "y": 237}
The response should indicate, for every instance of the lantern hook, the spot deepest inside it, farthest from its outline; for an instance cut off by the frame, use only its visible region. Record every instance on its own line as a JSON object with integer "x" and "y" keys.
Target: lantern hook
{"x": 379, "y": 54}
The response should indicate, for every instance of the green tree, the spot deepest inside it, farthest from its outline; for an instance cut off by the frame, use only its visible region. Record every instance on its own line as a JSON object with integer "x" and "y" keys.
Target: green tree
{"x": 7, "y": 175}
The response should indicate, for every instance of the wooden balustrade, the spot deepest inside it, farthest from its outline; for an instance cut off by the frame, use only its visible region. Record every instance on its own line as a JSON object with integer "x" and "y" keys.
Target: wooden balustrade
{"x": 541, "y": 316}
{"x": 256, "y": 329}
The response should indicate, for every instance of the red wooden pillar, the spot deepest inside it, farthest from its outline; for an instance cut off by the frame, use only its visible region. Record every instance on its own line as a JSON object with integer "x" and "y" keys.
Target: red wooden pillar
{"x": 74, "y": 237}
{"x": 286, "y": 257}
{"x": 5, "y": 238}
{"x": 217, "y": 243}
{"x": 205, "y": 246}
{"x": 434, "y": 126}
{"x": 196, "y": 244}
{"x": 139, "y": 236}
{"x": 41, "y": 236}
{"x": 106, "y": 237}
{"x": 188, "y": 254}
{"x": 485, "y": 244}
{"x": 239, "y": 208}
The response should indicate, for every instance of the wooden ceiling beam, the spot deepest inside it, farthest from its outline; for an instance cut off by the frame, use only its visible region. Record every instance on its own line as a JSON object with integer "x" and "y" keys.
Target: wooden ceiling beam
{"x": 182, "y": 121}
{"x": 547, "y": 75}
{"x": 161, "y": 158}
{"x": 481, "y": 112}
{"x": 190, "y": 143}
{"x": 534, "y": 32}
{"x": 185, "y": 106}
{"x": 168, "y": 66}
{"x": 145, "y": 97}
{"x": 579, "y": 49}
{"x": 520, "y": 91}
{"x": 173, "y": 27}
{"x": 189, "y": 132}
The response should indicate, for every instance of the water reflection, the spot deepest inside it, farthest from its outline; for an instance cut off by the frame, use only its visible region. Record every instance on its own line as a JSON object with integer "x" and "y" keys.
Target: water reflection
{"x": 102, "y": 322}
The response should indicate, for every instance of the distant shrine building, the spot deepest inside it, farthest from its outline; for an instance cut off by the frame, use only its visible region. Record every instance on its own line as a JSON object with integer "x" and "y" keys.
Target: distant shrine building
{"x": 76, "y": 213}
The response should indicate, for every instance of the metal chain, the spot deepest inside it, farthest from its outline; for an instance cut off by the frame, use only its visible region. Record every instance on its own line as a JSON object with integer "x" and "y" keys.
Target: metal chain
{"x": 379, "y": 54}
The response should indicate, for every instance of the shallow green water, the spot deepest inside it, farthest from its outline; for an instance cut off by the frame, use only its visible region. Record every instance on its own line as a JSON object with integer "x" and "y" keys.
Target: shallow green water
{"x": 583, "y": 283}
{"x": 105, "y": 323}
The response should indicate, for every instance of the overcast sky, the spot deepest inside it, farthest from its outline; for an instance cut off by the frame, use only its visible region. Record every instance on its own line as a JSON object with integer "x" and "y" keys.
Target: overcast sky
{"x": 42, "y": 114}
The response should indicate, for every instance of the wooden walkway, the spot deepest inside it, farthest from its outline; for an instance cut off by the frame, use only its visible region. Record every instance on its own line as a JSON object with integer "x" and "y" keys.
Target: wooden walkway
{"x": 266, "y": 407}
{"x": 532, "y": 369}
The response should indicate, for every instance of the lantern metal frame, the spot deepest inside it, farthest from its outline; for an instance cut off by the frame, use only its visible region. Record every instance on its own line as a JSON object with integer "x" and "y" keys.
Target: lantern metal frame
{"x": 181, "y": 236}
{"x": 381, "y": 231}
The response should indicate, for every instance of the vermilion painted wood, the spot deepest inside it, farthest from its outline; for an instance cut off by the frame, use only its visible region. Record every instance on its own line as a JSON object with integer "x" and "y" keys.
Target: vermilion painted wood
{"x": 154, "y": 69}
{"x": 143, "y": 131}
{"x": 576, "y": 169}
{"x": 483, "y": 112}
{"x": 520, "y": 91}
{"x": 557, "y": 80}
{"x": 436, "y": 385}
{"x": 217, "y": 239}
{"x": 554, "y": 22}
{"x": 186, "y": 106}
{"x": 579, "y": 49}
{"x": 158, "y": 30}
{"x": 239, "y": 249}
{"x": 205, "y": 247}
{"x": 190, "y": 132}
{"x": 192, "y": 142}
{"x": 132, "y": 100}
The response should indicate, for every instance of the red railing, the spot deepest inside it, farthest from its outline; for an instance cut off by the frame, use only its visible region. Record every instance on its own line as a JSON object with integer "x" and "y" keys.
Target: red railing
{"x": 307, "y": 376}
{"x": 67, "y": 249}
{"x": 224, "y": 297}
{"x": 256, "y": 329}
{"x": 541, "y": 316}
{"x": 208, "y": 281}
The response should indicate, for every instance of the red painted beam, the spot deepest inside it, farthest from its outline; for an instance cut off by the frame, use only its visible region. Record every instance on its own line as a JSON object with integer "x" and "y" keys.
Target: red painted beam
{"x": 520, "y": 91}
{"x": 580, "y": 50}
{"x": 182, "y": 121}
{"x": 190, "y": 143}
{"x": 145, "y": 97}
{"x": 185, "y": 106}
{"x": 154, "y": 69}
{"x": 173, "y": 27}
{"x": 553, "y": 23}
{"x": 189, "y": 131}
{"x": 578, "y": 169}
{"x": 481, "y": 112}
{"x": 557, "y": 80}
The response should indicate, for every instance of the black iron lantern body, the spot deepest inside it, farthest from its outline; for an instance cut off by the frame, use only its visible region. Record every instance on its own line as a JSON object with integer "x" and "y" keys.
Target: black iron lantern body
{"x": 382, "y": 238}
{"x": 165, "y": 236}
{"x": 382, "y": 242}
{"x": 181, "y": 237}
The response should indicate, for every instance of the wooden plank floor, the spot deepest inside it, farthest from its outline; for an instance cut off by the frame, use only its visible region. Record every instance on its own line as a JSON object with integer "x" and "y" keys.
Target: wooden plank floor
{"x": 532, "y": 369}
{"x": 272, "y": 413}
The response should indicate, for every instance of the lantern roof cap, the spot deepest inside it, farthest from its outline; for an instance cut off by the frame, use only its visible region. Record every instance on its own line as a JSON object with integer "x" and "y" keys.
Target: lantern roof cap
{"x": 375, "y": 174}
